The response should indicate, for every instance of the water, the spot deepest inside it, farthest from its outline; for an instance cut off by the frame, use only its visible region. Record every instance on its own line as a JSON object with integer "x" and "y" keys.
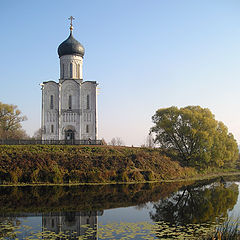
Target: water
{"x": 179, "y": 210}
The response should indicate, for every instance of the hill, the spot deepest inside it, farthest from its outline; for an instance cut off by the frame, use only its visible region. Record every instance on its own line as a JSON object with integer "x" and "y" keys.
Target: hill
{"x": 86, "y": 164}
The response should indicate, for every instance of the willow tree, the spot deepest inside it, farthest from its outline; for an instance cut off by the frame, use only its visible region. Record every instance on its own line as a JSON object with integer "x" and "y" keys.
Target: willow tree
{"x": 194, "y": 134}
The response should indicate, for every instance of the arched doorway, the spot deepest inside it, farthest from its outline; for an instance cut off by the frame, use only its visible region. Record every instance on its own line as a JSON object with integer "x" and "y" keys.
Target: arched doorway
{"x": 69, "y": 133}
{"x": 69, "y": 136}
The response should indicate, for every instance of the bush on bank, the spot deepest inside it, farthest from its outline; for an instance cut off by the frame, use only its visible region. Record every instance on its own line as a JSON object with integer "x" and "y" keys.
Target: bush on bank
{"x": 86, "y": 164}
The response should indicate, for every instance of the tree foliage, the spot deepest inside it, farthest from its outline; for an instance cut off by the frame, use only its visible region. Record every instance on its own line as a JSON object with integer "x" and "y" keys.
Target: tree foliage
{"x": 195, "y": 135}
{"x": 10, "y": 122}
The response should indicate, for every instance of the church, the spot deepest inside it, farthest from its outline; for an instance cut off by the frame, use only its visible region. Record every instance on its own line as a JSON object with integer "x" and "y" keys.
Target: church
{"x": 69, "y": 107}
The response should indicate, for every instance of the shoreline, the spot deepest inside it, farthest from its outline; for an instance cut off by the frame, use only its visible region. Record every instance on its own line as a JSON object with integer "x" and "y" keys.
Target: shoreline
{"x": 197, "y": 178}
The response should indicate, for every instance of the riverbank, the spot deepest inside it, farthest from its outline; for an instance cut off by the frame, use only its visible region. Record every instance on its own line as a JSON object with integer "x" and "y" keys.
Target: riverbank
{"x": 54, "y": 164}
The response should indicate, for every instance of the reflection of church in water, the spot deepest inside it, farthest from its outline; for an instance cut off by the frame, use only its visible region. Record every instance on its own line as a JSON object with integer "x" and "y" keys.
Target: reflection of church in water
{"x": 72, "y": 224}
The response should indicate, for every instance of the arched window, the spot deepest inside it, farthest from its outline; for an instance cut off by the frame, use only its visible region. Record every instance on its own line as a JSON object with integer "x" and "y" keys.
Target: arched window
{"x": 71, "y": 70}
{"x": 63, "y": 71}
{"x": 78, "y": 71}
{"x": 87, "y": 129}
{"x": 52, "y": 129}
{"x": 88, "y": 103}
{"x": 51, "y": 102}
{"x": 70, "y": 102}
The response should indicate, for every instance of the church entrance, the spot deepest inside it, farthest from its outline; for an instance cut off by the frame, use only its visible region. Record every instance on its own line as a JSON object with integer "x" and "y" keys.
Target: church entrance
{"x": 69, "y": 136}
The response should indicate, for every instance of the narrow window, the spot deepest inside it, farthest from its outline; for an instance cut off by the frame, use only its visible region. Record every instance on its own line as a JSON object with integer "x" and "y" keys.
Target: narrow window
{"x": 63, "y": 71}
{"x": 71, "y": 70}
{"x": 51, "y": 102}
{"x": 87, "y": 129}
{"x": 52, "y": 129}
{"x": 88, "y": 105}
{"x": 78, "y": 71}
{"x": 70, "y": 102}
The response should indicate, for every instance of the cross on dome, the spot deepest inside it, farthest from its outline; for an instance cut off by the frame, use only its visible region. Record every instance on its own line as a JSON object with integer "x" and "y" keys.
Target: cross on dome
{"x": 71, "y": 25}
{"x": 71, "y": 46}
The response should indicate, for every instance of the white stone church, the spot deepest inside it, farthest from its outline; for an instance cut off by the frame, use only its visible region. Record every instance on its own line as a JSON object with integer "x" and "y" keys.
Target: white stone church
{"x": 69, "y": 107}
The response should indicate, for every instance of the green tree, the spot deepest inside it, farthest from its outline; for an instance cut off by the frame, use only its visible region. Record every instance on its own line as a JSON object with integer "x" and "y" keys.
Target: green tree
{"x": 194, "y": 134}
{"x": 10, "y": 122}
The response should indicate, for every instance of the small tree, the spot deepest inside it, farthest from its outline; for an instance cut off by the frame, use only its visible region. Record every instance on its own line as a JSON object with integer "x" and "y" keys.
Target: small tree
{"x": 119, "y": 141}
{"x": 113, "y": 142}
{"x": 195, "y": 135}
{"x": 38, "y": 134}
{"x": 10, "y": 122}
{"x": 150, "y": 141}
{"x": 116, "y": 142}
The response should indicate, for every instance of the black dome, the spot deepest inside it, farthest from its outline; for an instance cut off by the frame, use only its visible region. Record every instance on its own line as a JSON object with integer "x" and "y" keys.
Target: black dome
{"x": 71, "y": 47}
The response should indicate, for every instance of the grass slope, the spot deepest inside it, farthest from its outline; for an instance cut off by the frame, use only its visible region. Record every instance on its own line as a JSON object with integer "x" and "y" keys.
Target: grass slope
{"x": 86, "y": 164}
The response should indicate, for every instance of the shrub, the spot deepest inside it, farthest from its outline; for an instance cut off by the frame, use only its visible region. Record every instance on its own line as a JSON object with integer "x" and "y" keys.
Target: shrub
{"x": 15, "y": 175}
{"x": 122, "y": 176}
{"x": 136, "y": 176}
{"x": 148, "y": 175}
{"x": 35, "y": 175}
{"x": 77, "y": 176}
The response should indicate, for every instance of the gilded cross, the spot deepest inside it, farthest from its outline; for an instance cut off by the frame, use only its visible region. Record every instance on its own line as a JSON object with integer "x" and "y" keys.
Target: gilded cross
{"x": 71, "y": 19}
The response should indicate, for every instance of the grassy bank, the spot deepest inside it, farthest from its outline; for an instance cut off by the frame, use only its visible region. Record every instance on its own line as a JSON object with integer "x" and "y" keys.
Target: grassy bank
{"x": 86, "y": 164}
{"x": 55, "y": 164}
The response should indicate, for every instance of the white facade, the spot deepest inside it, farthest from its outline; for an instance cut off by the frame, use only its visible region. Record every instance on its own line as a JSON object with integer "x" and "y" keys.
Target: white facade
{"x": 69, "y": 107}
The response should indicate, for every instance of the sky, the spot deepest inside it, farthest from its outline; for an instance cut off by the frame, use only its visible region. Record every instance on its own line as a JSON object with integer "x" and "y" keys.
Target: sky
{"x": 145, "y": 55}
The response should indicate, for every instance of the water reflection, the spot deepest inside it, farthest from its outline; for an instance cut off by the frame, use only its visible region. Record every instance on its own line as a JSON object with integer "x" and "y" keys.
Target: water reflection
{"x": 73, "y": 212}
{"x": 71, "y": 225}
{"x": 196, "y": 204}
{"x": 39, "y": 199}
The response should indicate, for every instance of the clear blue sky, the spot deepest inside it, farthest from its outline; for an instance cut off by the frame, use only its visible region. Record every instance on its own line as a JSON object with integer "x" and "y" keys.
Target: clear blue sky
{"x": 145, "y": 55}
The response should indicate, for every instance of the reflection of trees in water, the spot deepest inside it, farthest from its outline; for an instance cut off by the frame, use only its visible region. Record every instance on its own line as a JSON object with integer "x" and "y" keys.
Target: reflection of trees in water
{"x": 196, "y": 204}
{"x": 71, "y": 224}
{"x": 81, "y": 198}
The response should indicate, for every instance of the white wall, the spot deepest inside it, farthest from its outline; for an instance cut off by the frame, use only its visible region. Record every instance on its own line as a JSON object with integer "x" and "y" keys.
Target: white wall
{"x": 50, "y": 116}
{"x": 70, "y": 118}
{"x": 65, "y": 61}
{"x": 88, "y": 115}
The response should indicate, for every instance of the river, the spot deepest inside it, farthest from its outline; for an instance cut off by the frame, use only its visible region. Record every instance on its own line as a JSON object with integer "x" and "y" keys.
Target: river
{"x": 174, "y": 210}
